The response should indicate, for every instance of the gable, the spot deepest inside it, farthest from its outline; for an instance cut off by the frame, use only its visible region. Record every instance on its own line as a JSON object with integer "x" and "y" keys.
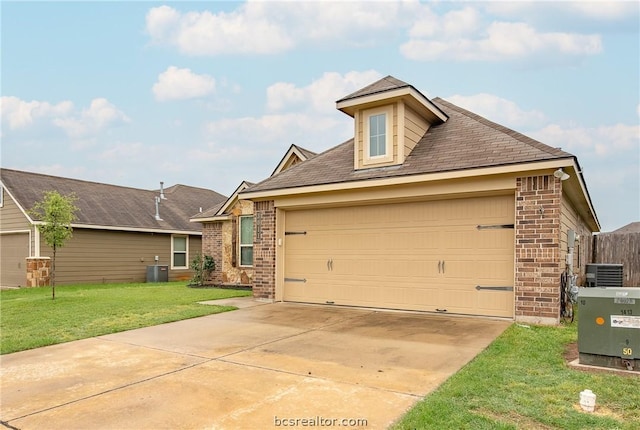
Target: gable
{"x": 390, "y": 117}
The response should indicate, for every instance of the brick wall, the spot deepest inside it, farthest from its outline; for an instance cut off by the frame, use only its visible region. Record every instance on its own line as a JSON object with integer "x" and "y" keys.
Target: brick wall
{"x": 38, "y": 271}
{"x": 537, "y": 252}
{"x": 264, "y": 251}
{"x": 212, "y": 245}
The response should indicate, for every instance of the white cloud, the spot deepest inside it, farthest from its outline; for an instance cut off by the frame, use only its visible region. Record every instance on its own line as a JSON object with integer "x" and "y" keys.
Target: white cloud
{"x": 100, "y": 115}
{"x": 258, "y": 27}
{"x": 321, "y": 94}
{"x": 502, "y": 41}
{"x": 20, "y": 114}
{"x": 179, "y": 84}
{"x": 499, "y": 110}
{"x": 23, "y": 115}
{"x": 604, "y": 140}
{"x": 244, "y": 30}
{"x": 466, "y": 34}
{"x": 598, "y": 10}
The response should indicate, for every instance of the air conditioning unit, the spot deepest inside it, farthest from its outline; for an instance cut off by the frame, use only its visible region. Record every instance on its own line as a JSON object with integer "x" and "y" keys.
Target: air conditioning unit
{"x": 604, "y": 275}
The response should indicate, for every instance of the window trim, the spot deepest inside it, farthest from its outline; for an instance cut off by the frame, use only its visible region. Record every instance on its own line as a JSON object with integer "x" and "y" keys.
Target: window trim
{"x": 388, "y": 156}
{"x": 246, "y": 245}
{"x": 186, "y": 252}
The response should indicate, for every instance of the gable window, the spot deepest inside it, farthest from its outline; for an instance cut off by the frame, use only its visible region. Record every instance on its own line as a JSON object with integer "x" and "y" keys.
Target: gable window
{"x": 246, "y": 241}
{"x": 179, "y": 248}
{"x": 378, "y": 135}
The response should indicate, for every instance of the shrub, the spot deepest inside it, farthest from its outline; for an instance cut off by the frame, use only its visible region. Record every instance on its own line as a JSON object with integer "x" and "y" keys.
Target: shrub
{"x": 202, "y": 266}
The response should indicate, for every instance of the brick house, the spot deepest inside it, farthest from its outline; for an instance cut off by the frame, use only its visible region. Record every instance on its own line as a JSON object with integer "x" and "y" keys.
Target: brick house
{"x": 429, "y": 207}
{"x": 227, "y": 229}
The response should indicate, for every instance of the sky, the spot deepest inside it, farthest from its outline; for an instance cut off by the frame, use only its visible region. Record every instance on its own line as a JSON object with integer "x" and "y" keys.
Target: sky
{"x": 209, "y": 94}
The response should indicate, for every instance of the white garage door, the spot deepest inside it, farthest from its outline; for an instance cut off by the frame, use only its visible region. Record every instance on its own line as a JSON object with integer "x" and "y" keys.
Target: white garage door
{"x": 453, "y": 256}
{"x": 14, "y": 249}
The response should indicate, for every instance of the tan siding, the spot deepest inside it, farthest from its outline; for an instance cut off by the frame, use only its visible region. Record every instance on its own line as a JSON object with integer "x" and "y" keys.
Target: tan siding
{"x": 414, "y": 128}
{"x": 570, "y": 220}
{"x": 95, "y": 256}
{"x": 11, "y": 217}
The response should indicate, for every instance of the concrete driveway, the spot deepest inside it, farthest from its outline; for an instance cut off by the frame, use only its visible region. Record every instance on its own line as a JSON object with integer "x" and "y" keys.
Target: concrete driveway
{"x": 262, "y": 366}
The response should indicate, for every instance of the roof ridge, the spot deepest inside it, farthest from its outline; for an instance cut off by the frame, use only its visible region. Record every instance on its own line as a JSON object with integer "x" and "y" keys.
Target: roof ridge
{"x": 64, "y": 178}
{"x": 503, "y": 129}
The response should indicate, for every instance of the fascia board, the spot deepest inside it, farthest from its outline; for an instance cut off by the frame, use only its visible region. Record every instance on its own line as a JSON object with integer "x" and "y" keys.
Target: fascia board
{"x": 130, "y": 229}
{"x": 409, "y": 179}
{"x": 345, "y": 105}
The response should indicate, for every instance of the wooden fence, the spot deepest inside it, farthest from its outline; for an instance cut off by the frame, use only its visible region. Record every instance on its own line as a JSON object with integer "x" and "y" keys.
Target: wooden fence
{"x": 614, "y": 248}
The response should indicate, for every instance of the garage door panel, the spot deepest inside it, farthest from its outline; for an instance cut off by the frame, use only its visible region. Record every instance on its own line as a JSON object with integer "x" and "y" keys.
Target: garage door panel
{"x": 420, "y": 256}
{"x": 14, "y": 248}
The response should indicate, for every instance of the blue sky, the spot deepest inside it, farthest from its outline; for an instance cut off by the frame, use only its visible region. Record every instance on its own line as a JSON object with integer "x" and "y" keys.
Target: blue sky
{"x": 212, "y": 93}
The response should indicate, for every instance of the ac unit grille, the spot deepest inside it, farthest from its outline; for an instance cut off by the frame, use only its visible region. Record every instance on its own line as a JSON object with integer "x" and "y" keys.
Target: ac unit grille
{"x": 604, "y": 275}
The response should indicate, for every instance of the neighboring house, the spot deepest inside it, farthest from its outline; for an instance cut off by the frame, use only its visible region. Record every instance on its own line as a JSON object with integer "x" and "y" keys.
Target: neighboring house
{"x": 429, "y": 207}
{"x": 228, "y": 229}
{"x": 116, "y": 236}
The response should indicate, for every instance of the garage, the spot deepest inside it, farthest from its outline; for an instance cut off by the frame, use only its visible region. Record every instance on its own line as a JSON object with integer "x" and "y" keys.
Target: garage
{"x": 14, "y": 249}
{"x": 450, "y": 256}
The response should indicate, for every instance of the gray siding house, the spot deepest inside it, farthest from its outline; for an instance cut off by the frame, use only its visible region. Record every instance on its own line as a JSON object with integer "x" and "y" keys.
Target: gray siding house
{"x": 118, "y": 232}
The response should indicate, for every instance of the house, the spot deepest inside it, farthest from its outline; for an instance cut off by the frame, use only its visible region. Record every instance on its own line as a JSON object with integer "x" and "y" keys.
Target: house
{"x": 429, "y": 207}
{"x": 118, "y": 233}
{"x": 227, "y": 229}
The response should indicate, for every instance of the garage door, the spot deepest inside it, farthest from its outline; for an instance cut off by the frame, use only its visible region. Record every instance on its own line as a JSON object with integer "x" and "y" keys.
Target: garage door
{"x": 453, "y": 256}
{"x": 14, "y": 249}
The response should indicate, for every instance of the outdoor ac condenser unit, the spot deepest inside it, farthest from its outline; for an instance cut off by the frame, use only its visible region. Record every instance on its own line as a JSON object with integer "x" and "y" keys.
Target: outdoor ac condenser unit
{"x": 604, "y": 275}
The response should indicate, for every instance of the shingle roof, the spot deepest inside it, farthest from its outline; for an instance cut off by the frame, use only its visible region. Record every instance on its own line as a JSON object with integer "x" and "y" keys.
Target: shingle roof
{"x": 307, "y": 153}
{"x": 112, "y": 205}
{"x": 633, "y": 227}
{"x": 385, "y": 84}
{"x": 465, "y": 141}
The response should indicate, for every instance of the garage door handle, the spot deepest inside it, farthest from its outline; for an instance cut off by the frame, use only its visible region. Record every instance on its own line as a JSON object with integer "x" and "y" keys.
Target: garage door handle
{"x": 439, "y": 266}
{"x": 442, "y": 266}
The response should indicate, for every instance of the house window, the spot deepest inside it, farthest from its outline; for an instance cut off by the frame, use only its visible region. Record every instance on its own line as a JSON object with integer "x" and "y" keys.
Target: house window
{"x": 377, "y": 135}
{"x": 179, "y": 248}
{"x": 246, "y": 240}
{"x": 378, "y": 139}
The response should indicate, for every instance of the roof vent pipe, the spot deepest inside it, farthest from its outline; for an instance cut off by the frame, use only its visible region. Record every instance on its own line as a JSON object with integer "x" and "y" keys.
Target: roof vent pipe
{"x": 158, "y": 209}
{"x": 162, "y": 191}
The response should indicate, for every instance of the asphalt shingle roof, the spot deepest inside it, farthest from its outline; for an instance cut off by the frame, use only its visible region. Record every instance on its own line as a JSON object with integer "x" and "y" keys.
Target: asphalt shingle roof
{"x": 385, "y": 84}
{"x": 465, "y": 141}
{"x": 112, "y": 205}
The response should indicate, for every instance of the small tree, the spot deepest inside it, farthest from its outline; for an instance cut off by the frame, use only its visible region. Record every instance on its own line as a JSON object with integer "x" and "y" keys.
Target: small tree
{"x": 56, "y": 212}
{"x": 202, "y": 266}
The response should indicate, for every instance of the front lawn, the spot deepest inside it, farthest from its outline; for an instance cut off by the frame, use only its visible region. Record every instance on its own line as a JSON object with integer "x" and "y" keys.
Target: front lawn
{"x": 29, "y": 318}
{"x": 522, "y": 381}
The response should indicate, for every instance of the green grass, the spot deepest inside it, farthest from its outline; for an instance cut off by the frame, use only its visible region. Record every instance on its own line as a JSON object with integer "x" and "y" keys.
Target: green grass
{"x": 29, "y": 318}
{"x": 522, "y": 382}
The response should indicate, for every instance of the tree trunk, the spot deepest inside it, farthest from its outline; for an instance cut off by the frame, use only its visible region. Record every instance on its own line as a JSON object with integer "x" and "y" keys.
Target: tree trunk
{"x": 53, "y": 275}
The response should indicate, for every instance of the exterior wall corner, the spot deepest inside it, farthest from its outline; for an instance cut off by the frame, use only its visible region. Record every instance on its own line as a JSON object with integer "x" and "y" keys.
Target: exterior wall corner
{"x": 537, "y": 249}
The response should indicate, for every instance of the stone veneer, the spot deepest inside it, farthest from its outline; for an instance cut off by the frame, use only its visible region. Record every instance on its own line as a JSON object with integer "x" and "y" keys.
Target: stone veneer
{"x": 537, "y": 253}
{"x": 264, "y": 250}
{"x": 38, "y": 271}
